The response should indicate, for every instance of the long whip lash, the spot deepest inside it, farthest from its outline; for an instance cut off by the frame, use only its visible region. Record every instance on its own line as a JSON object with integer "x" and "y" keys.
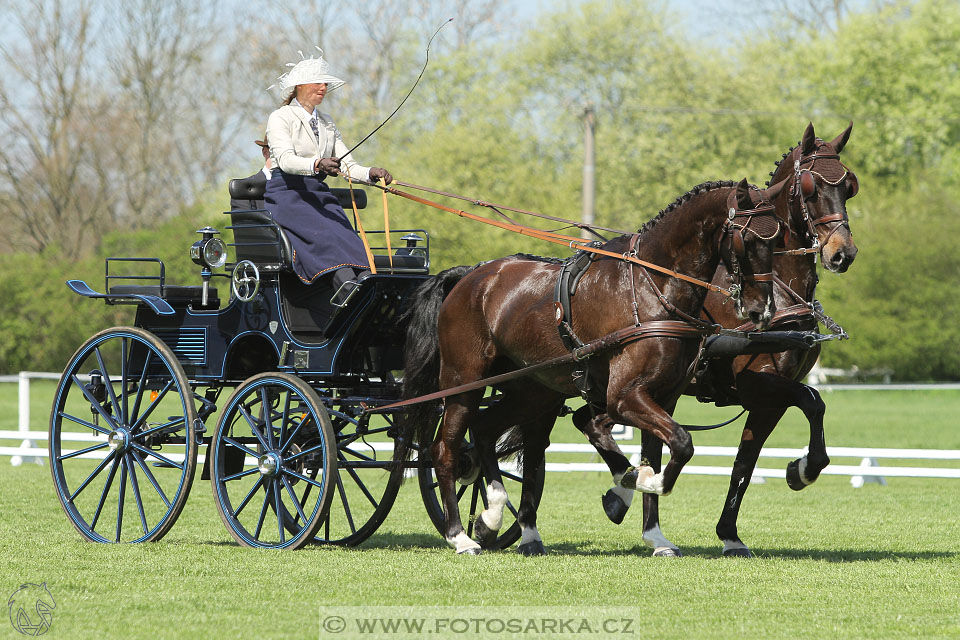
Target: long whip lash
{"x": 425, "y": 63}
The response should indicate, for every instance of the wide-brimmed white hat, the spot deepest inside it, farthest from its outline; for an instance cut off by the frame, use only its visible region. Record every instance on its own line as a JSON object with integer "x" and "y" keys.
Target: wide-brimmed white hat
{"x": 307, "y": 71}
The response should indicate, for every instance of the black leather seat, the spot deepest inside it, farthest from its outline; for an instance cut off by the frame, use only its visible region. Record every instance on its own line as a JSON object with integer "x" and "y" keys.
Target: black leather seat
{"x": 258, "y": 238}
{"x": 249, "y": 189}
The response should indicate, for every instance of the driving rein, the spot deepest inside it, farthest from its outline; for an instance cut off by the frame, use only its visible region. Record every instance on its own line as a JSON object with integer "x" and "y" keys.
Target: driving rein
{"x": 760, "y": 221}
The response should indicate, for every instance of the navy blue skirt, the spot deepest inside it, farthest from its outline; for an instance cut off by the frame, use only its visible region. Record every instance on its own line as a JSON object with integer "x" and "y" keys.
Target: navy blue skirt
{"x": 320, "y": 234}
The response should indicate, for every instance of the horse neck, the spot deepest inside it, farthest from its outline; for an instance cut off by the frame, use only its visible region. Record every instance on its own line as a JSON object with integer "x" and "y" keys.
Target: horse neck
{"x": 685, "y": 240}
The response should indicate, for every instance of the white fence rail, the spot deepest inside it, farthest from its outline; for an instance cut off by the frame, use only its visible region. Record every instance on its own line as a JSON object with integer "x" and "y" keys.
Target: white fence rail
{"x": 867, "y": 471}
{"x": 20, "y": 454}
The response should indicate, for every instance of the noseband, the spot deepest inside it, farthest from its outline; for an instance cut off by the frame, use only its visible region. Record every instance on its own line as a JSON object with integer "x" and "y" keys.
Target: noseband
{"x": 805, "y": 189}
{"x": 761, "y": 221}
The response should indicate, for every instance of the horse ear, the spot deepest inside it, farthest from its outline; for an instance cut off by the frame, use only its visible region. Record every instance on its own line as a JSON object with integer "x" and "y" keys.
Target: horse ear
{"x": 841, "y": 140}
{"x": 808, "y": 143}
{"x": 771, "y": 192}
{"x": 743, "y": 196}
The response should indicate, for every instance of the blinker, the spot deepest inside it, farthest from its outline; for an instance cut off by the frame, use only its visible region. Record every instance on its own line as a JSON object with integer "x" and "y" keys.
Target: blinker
{"x": 808, "y": 185}
{"x": 853, "y": 185}
{"x": 737, "y": 239}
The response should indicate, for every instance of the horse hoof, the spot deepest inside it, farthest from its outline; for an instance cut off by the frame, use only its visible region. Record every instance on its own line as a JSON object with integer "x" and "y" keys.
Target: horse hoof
{"x": 794, "y": 481}
{"x": 739, "y": 552}
{"x": 486, "y": 536}
{"x": 614, "y": 506}
{"x": 667, "y": 552}
{"x": 534, "y": 548}
{"x": 470, "y": 551}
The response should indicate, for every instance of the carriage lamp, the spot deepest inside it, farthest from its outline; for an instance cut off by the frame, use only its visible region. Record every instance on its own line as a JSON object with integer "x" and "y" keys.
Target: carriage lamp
{"x": 209, "y": 253}
{"x": 412, "y": 247}
{"x": 411, "y": 239}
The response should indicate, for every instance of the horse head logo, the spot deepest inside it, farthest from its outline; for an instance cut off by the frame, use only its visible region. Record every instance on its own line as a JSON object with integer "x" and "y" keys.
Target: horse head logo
{"x": 31, "y": 609}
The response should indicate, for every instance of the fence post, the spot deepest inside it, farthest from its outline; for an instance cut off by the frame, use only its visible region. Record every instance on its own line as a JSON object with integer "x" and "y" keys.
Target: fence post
{"x": 858, "y": 481}
{"x": 23, "y": 421}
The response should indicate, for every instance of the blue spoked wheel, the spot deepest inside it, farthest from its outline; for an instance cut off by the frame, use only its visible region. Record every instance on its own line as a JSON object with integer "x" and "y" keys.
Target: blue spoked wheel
{"x": 123, "y": 442}
{"x": 368, "y": 482}
{"x": 274, "y": 462}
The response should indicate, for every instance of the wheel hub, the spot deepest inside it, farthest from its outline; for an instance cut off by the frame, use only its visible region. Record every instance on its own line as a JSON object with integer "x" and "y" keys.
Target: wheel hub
{"x": 269, "y": 464}
{"x": 119, "y": 440}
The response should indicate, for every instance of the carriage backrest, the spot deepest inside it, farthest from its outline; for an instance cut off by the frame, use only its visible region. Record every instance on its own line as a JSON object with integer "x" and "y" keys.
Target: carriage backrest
{"x": 253, "y": 189}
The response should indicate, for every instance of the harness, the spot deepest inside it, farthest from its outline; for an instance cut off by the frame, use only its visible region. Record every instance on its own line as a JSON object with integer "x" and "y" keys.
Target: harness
{"x": 805, "y": 189}
{"x": 759, "y": 221}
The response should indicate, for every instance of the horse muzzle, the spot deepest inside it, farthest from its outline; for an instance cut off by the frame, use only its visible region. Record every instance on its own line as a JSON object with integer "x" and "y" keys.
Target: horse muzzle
{"x": 840, "y": 260}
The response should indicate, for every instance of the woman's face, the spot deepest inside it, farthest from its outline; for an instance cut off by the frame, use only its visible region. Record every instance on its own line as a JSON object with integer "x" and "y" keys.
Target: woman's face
{"x": 311, "y": 93}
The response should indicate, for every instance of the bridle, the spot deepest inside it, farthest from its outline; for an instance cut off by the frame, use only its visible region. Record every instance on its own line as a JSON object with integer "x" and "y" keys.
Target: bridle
{"x": 805, "y": 189}
{"x": 762, "y": 222}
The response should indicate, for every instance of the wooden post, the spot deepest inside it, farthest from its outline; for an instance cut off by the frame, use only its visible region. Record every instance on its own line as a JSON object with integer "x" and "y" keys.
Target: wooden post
{"x": 589, "y": 178}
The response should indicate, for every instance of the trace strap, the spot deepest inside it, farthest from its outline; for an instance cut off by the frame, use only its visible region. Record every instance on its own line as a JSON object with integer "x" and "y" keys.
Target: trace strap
{"x": 652, "y": 329}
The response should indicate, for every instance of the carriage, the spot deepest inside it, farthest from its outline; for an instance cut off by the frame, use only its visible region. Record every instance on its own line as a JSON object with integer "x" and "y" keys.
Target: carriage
{"x": 299, "y": 451}
{"x": 291, "y": 452}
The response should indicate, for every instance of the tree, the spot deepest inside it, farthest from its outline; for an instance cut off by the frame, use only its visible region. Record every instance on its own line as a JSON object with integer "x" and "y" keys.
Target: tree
{"x": 46, "y": 189}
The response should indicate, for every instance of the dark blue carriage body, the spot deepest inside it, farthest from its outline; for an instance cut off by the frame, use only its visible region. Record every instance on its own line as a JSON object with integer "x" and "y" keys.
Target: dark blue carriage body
{"x": 287, "y": 326}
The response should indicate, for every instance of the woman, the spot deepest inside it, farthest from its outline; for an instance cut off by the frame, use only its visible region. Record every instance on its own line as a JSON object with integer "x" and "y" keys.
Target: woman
{"x": 305, "y": 147}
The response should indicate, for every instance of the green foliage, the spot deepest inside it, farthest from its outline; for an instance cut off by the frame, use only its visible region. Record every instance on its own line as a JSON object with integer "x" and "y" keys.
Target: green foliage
{"x": 42, "y": 322}
{"x": 897, "y": 76}
{"x": 503, "y": 125}
{"x": 898, "y": 301}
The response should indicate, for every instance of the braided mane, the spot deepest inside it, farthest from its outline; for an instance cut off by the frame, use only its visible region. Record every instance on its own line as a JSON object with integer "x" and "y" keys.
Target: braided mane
{"x": 778, "y": 162}
{"x": 701, "y": 188}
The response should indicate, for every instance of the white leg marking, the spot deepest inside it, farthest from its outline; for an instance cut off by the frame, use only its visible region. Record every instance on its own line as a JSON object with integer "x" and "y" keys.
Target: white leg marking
{"x": 733, "y": 544}
{"x": 624, "y": 494}
{"x": 461, "y": 542}
{"x": 617, "y": 479}
{"x": 648, "y": 481}
{"x": 655, "y": 539}
{"x": 497, "y": 500}
{"x": 529, "y": 534}
{"x": 802, "y": 468}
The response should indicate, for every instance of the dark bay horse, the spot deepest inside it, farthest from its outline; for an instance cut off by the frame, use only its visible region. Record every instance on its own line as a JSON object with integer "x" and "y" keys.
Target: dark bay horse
{"x": 470, "y": 323}
{"x": 813, "y": 209}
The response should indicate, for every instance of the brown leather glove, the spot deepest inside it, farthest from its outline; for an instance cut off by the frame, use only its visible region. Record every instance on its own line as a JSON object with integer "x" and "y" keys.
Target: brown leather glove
{"x": 329, "y": 166}
{"x": 376, "y": 173}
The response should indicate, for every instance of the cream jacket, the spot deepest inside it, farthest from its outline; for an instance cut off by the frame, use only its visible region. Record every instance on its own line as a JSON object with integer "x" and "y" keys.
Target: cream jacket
{"x": 295, "y": 149}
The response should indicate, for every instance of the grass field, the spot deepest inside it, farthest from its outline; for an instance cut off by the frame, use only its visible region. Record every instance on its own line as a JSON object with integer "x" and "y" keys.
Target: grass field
{"x": 877, "y": 562}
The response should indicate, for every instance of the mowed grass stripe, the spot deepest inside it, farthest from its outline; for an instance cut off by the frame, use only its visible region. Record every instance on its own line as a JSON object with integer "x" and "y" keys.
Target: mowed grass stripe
{"x": 878, "y": 562}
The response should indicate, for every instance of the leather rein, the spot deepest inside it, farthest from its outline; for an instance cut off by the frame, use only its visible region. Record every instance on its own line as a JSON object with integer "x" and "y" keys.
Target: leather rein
{"x": 733, "y": 225}
{"x": 736, "y": 224}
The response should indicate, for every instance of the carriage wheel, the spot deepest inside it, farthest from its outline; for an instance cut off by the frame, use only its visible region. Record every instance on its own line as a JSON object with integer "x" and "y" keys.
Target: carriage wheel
{"x": 274, "y": 466}
{"x": 127, "y": 404}
{"x": 472, "y": 493}
{"x": 367, "y": 486}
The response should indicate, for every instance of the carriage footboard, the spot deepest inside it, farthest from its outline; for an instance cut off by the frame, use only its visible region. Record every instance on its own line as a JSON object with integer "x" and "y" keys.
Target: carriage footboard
{"x": 158, "y": 305}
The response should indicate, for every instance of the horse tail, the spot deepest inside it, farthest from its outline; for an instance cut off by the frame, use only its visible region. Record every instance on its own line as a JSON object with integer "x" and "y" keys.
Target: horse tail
{"x": 421, "y": 371}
